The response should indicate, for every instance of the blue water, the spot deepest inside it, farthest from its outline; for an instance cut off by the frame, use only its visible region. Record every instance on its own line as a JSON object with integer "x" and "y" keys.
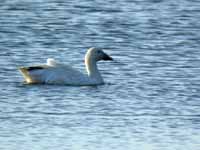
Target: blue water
{"x": 151, "y": 99}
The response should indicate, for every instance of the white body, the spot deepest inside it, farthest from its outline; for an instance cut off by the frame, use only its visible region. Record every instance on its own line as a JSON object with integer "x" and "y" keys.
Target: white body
{"x": 56, "y": 73}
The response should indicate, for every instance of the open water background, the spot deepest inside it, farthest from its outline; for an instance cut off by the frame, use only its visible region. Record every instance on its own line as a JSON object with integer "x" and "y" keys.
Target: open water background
{"x": 151, "y": 99}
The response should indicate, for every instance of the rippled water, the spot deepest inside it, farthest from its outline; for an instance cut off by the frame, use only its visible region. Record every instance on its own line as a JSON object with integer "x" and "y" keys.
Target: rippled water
{"x": 151, "y": 99}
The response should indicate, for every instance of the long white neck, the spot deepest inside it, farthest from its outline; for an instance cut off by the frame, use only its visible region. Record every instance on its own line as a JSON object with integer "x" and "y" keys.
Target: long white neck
{"x": 92, "y": 70}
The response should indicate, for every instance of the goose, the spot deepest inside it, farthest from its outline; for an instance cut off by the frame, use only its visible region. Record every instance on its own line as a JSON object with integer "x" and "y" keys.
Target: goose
{"x": 56, "y": 73}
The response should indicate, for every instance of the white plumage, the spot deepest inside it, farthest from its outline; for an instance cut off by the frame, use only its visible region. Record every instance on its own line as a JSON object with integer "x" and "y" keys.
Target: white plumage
{"x": 57, "y": 73}
{"x": 51, "y": 62}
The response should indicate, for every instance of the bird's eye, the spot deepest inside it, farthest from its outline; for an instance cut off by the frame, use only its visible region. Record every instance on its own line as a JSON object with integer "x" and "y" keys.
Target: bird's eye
{"x": 98, "y": 52}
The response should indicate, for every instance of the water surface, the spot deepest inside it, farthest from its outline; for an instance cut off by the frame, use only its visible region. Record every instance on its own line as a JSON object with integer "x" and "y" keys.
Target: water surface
{"x": 151, "y": 97}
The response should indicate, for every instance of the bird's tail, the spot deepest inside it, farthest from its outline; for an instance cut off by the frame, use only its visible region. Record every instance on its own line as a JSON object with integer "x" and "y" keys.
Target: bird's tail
{"x": 26, "y": 75}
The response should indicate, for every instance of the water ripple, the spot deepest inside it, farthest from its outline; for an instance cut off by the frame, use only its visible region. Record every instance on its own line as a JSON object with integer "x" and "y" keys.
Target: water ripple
{"x": 151, "y": 96}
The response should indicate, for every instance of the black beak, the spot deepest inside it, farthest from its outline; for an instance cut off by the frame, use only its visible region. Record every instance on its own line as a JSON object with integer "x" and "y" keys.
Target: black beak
{"x": 106, "y": 57}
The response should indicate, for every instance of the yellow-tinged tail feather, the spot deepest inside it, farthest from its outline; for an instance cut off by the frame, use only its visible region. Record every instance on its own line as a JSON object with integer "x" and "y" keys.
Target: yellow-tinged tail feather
{"x": 26, "y": 75}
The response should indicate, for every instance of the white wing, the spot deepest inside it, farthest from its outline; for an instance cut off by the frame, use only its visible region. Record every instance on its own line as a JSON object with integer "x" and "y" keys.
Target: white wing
{"x": 63, "y": 75}
{"x": 53, "y": 73}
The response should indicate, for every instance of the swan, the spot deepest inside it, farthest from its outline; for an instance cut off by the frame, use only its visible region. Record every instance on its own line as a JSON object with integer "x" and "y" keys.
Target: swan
{"x": 56, "y": 73}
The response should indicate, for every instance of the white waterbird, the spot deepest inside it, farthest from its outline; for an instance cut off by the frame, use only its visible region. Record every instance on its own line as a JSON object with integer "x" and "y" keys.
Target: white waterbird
{"x": 56, "y": 73}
